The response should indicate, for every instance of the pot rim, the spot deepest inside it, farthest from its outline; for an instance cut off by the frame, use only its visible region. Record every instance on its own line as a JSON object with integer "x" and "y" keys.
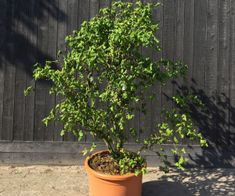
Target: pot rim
{"x": 106, "y": 176}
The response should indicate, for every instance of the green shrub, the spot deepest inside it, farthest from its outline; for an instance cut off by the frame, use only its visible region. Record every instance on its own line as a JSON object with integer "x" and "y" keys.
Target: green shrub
{"x": 103, "y": 80}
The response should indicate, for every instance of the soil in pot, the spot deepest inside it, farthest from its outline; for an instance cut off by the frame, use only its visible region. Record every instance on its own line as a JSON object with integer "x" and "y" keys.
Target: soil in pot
{"x": 104, "y": 163}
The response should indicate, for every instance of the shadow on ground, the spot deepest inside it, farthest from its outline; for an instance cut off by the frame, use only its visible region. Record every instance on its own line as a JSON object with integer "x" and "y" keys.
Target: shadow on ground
{"x": 164, "y": 188}
{"x": 196, "y": 182}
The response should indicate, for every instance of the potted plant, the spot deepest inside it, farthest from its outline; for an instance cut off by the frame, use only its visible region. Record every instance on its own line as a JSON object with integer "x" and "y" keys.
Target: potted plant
{"x": 102, "y": 81}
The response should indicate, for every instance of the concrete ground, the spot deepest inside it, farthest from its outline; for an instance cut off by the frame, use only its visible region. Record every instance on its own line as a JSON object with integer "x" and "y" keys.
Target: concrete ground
{"x": 72, "y": 180}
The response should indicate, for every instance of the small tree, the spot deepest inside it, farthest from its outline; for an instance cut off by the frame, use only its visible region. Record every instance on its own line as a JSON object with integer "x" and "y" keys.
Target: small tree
{"x": 103, "y": 80}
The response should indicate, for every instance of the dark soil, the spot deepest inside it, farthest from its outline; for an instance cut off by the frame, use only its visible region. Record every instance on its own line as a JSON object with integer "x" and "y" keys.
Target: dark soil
{"x": 104, "y": 163}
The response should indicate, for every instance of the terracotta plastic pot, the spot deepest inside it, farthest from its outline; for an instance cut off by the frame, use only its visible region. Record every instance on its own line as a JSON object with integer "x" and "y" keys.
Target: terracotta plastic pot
{"x": 112, "y": 185}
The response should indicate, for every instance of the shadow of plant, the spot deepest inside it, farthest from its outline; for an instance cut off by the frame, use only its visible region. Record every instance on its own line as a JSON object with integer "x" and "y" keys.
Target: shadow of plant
{"x": 28, "y": 35}
{"x": 164, "y": 188}
{"x": 23, "y": 23}
{"x": 217, "y": 120}
{"x": 194, "y": 182}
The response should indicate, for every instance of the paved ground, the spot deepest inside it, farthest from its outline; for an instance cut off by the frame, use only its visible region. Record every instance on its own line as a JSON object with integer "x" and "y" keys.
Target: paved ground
{"x": 72, "y": 180}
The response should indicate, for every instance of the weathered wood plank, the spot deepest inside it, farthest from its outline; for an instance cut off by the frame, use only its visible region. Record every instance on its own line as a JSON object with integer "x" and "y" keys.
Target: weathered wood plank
{"x": 188, "y": 39}
{"x": 9, "y": 75}
{"x": 84, "y": 11}
{"x": 211, "y": 66}
{"x": 94, "y": 8}
{"x": 31, "y": 53}
{"x": 20, "y": 76}
{"x": 84, "y": 14}
{"x": 70, "y": 153}
{"x": 188, "y": 49}
{"x": 200, "y": 38}
{"x": 180, "y": 11}
{"x": 179, "y": 38}
{"x": 41, "y": 86}
{"x": 78, "y": 159}
{"x": 51, "y": 52}
{"x": 179, "y": 44}
{"x": 179, "y": 41}
{"x": 157, "y": 88}
{"x": 72, "y": 14}
{"x": 199, "y": 42}
{"x": 41, "y": 159}
{"x": 3, "y": 35}
{"x": 212, "y": 48}
{"x": 232, "y": 76}
{"x": 168, "y": 47}
{"x": 221, "y": 134}
{"x": 61, "y": 46}
{"x": 104, "y": 3}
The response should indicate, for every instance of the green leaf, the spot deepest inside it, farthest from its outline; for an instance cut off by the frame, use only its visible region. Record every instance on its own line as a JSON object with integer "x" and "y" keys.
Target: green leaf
{"x": 62, "y": 132}
{"x": 28, "y": 90}
{"x": 80, "y": 135}
{"x": 203, "y": 143}
{"x": 183, "y": 150}
{"x": 93, "y": 147}
{"x": 130, "y": 116}
{"x": 85, "y": 151}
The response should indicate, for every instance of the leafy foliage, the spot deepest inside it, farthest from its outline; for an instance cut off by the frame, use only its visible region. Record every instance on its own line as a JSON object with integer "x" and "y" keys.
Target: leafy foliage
{"x": 175, "y": 128}
{"x": 104, "y": 77}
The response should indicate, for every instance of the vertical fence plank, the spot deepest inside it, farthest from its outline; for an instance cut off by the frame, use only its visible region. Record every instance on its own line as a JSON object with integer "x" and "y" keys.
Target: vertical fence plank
{"x": 199, "y": 42}
{"x": 188, "y": 40}
{"x": 20, "y": 45}
{"x": 179, "y": 49}
{"x": 9, "y": 74}
{"x": 94, "y": 7}
{"x": 72, "y": 12}
{"x": 41, "y": 86}
{"x": 179, "y": 34}
{"x": 212, "y": 48}
{"x": 209, "y": 92}
{"x": 3, "y": 35}
{"x": 31, "y": 53}
{"x": 180, "y": 8}
{"x": 168, "y": 46}
{"x": 104, "y": 3}
{"x": 232, "y": 77}
{"x": 61, "y": 46}
{"x": 51, "y": 52}
{"x": 179, "y": 40}
{"x": 224, "y": 75}
{"x": 200, "y": 38}
{"x": 156, "y": 102}
{"x": 84, "y": 11}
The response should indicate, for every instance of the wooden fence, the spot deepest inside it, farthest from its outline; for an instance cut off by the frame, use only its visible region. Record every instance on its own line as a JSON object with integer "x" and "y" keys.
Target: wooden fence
{"x": 201, "y": 33}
